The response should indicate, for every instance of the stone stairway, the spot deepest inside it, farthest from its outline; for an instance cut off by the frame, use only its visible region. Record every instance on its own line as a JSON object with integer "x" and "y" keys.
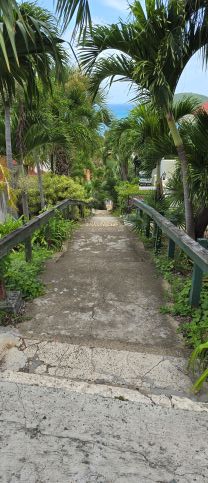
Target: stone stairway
{"x": 94, "y": 384}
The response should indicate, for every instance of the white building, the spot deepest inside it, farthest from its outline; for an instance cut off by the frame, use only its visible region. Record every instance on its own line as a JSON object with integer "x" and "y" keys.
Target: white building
{"x": 167, "y": 168}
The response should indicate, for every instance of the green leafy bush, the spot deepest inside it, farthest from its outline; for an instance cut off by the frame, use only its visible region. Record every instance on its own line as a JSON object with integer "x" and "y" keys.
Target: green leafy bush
{"x": 23, "y": 276}
{"x": 193, "y": 321}
{"x": 195, "y": 325}
{"x": 178, "y": 272}
{"x": 10, "y": 224}
{"x": 196, "y": 330}
{"x": 199, "y": 362}
{"x": 126, "y": 191}
{"x": 54, "y": 233}
{"x": 56, "y": 188}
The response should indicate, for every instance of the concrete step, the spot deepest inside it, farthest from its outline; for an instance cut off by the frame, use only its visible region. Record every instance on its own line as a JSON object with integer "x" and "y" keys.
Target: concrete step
{"x": 143, "y": 371}
{"x": 55, "y": 430}
{"x": 104, "y": 390}
{"x": 61, "y": 423}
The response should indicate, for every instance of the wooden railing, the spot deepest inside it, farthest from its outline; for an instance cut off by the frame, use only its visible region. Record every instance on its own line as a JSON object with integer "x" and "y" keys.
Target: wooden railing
{"x": 24, "y": 233}
{"x": 196, "y": 250}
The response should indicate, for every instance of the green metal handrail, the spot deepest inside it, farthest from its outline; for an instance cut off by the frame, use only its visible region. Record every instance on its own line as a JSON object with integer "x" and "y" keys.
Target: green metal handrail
{"x": 196, "y": 250}
{"x": 23, "y": 234}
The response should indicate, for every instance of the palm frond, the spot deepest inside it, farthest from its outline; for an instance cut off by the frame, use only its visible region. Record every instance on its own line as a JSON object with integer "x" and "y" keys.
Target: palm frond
{"x": 121, "y": 37}
{"x": 186, "y": 106}
{"x": 116, "y": 66}
{"x": 67, "y": 9}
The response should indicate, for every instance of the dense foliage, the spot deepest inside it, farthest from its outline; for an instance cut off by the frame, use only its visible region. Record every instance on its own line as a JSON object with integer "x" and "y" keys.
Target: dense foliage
{"x": 56, "y": 188}
{"x": 21, "y": 275}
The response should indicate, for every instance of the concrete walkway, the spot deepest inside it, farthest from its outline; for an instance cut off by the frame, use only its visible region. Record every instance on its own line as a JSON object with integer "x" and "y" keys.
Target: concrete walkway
{"x": 94, "y": 386}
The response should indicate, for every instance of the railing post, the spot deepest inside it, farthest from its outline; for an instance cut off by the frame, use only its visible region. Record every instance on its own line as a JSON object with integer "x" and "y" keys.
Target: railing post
{"x": 141, "y": 219}
{"x": 74, "y": 213}
{"x": 2, "y": 289}
{"x": 171, "y": 248}
{"x": 158, "y": 239}
{"x": 197, "y": 277}
{"x": 68, "y": 212}
{"x": 147, "y": 228}
{"x": 28, "y": 249}
{"x": 81, "y": 211}
{"x": 154, "y": 229}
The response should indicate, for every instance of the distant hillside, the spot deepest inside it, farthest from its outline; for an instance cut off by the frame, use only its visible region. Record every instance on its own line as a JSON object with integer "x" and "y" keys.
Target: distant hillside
{"x": 200, "y": 97}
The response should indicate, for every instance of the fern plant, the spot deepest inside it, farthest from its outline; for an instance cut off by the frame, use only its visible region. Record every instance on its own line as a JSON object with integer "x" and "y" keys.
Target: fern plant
{"x": 199, "y": 360}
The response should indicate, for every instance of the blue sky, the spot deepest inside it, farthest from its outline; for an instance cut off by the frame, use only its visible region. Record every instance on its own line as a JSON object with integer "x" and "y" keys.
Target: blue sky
{"x": 194, "y": 78}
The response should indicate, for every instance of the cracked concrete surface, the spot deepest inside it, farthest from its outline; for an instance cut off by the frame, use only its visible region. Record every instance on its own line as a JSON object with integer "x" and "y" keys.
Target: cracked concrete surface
{"x": 94, "y": 386}
{"x": 101, "y": 365}
{"x": 55, "y": 434}
{"x": 108, "y": 293}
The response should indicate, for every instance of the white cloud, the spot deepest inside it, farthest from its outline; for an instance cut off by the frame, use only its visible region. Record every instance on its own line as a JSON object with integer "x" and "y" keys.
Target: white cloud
{"x": 98, "y": 20}
{"x": 121, "y": 5}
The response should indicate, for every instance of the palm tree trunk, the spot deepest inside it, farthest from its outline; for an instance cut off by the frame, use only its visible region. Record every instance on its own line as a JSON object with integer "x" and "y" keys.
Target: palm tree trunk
{"x": 52, "y": 163}
{"x": 40, "y": 184}
{"x": 25, "y": 204}
{"x": 189, "y": 215}
{"x": 20, "y": 146}
{"x": 158, "y": 181}
{"x": 201, "y": 222}
{"x": 124, "y": 170}
{"x": 8, "y": 140}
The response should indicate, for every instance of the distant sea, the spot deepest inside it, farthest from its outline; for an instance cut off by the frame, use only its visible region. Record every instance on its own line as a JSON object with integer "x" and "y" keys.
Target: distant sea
{"x": 120, "y": 110}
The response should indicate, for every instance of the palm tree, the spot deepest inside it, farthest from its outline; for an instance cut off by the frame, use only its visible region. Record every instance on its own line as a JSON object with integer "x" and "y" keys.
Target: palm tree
{"x": 37, "y": 52}
{"x": 63, "y": 123}
{"x": 9, "y": 11}
{"x": 153, "y": 141}
{"x": 151, "y": 52}
{"x": 80, "y": 9}
{"x": 145, "y": 133}
{"x": 195, "y": 136}
{"x": 120, "y": 142}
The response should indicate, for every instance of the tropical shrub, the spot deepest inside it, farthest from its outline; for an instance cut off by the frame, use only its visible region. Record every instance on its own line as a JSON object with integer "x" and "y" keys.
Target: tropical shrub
{"x": 54, "y": 233}
{"x": 193, "y": 321}
{"x": 10, "y": 224}
{"x": 197, "y": 362}
{"x": 23, "y": 276}
{"x": 126, "y": 191}
{"x": 56, "y": 188}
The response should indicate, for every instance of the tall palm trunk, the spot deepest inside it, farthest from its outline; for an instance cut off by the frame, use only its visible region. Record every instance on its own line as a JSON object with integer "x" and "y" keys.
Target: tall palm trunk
{"x": 8, "y": 139}
{"x": 124, "y": 170}
{"x": 25, "y": 204}
{"x": 20, "y": 145}
{"x": 158, "y": 181}
{"x": 52, "y": 163}
{"x": 40, "y": 185}
{"x": 9, "y": 157}
{"x": 189, "y": 215}
{"x": 201, "y": 222}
